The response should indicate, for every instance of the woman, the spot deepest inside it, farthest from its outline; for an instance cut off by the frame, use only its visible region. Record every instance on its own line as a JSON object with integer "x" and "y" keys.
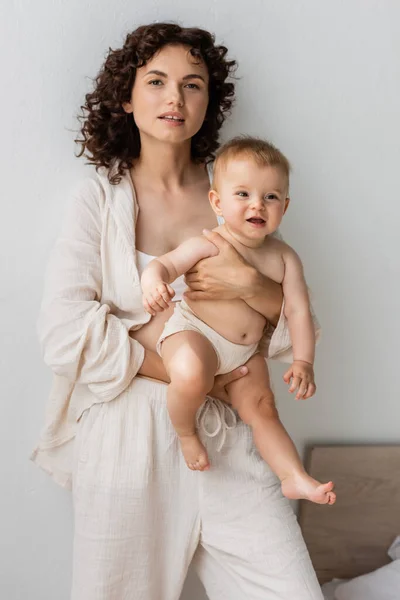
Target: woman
{"x": 150, "y": 126}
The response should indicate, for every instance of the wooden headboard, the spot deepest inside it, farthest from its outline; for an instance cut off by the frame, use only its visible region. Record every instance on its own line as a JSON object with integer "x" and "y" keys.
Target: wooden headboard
{"x": 352, "y": 537}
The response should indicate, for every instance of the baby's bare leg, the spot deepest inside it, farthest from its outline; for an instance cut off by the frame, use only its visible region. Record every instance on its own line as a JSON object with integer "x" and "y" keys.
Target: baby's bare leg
{"x": 191, "y": 363}
{"x": 272, "y": 440}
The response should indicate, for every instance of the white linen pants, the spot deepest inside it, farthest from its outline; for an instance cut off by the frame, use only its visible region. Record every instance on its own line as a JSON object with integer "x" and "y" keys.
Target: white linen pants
{"x": 141, "y": 515}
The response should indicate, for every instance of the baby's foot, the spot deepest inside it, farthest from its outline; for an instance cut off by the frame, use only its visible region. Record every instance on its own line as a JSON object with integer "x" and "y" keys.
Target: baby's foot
{"x": 194, "y": 453}
{"x": 304, "y": 487}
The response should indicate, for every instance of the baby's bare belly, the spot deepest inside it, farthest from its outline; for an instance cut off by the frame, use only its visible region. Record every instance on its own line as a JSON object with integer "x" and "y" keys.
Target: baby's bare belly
{"x": 233, "y": 319}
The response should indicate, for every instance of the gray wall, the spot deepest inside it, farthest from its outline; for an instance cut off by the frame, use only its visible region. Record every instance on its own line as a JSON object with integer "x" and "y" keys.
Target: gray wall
{"x": 321, "y": 79}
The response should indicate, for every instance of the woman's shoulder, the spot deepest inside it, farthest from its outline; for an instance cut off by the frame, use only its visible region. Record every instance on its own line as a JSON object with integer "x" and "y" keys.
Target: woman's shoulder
{"x": 86, "y": 197}
{"x": 96, "y": 187}
{"x": 87, "y": 186}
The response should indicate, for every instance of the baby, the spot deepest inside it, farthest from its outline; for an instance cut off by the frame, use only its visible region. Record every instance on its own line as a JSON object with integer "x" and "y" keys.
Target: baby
{"x": 204, "y": 338}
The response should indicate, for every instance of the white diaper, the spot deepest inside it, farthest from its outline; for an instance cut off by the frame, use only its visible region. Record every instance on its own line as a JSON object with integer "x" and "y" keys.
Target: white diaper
{"x": 230, "y": 355}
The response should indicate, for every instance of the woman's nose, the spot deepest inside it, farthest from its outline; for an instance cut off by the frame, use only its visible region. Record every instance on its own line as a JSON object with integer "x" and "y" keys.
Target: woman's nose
{"x": 175, "y": 96}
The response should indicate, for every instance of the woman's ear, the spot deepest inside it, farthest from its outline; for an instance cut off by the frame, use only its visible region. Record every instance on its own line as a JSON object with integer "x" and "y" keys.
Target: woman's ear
{"x": 215, "y": 202}
{"x": 128, "y": 108}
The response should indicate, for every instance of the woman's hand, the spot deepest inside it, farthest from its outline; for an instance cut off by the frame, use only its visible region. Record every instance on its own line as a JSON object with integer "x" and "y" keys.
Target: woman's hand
{"x": 226, "y": 276}
{"x": 153, "y": 367}
{"x": 221, "y": 381}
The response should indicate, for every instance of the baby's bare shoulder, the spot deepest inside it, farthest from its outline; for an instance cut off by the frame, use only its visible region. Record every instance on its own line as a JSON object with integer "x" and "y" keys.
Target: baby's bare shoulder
{"x": 276, "y": 246}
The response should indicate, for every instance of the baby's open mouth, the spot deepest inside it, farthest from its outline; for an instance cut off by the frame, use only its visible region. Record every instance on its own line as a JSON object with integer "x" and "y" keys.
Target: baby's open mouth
{"x": 255, "y": 220}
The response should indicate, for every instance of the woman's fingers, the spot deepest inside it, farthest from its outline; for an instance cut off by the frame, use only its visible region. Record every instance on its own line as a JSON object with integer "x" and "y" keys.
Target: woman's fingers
{"x": 217, "y": 239}
{"x": 200, "y": 295}
{"x": 193, "y": 295}
{"x": 194, "y": 285}
{"x": 221, "y": 381}
{"x": 191, "y": 277}
{"x": 233, "y": 375}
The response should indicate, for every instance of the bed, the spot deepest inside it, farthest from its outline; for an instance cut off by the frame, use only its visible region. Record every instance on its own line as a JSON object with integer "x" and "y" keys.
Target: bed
{"x": 352, "y": 538}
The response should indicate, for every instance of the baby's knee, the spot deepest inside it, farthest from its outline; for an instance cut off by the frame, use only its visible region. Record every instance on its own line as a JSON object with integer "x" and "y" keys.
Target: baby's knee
{"x": 267, "y": 407}
{"x": 191, "y": 377}
{"x": 263, "y": 407}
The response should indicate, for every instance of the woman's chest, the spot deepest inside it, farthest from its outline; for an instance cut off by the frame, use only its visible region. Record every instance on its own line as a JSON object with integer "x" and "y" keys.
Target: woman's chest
{"x": 162, "y": 225}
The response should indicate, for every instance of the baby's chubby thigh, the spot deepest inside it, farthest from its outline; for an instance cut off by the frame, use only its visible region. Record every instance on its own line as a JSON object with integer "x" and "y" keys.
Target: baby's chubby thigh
{"x": 190, "y": 361}
{"x": 252, "y": 395}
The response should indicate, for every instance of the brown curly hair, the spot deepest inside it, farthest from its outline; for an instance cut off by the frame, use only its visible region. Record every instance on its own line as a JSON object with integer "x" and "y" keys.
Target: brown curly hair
{"x": 110, "y": 137}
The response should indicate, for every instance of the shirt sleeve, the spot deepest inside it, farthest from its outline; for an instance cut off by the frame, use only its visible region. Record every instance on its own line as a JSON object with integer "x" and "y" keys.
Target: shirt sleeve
{"x": 80, "y": 338}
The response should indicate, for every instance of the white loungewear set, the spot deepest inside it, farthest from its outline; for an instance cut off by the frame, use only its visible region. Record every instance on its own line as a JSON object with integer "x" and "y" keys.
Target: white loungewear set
{"x": 140, "y": 515}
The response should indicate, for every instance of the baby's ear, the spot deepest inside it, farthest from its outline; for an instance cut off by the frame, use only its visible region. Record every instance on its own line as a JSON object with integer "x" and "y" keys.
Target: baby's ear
{"x": 215, "y": 202}
{"x": 287, "y": 202}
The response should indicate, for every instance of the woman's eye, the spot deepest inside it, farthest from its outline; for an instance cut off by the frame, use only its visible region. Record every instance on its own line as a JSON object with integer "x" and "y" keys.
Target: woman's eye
{"x": 155, "y": 82}
{"x": 192, "y": 86}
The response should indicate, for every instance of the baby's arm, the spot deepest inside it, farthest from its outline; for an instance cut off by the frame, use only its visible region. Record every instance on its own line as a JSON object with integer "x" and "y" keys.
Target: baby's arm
{"x": 163, "y": 270}
{"x": 297, "y": 308}
{"x": 301, "y": 327}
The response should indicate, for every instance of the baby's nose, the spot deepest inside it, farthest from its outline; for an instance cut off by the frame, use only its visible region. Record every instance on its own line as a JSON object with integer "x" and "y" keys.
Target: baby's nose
{"x": 258, "y": 202}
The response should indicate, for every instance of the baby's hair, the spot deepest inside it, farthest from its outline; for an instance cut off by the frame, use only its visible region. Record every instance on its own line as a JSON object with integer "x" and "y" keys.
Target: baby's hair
{"x": 261, "y": 151}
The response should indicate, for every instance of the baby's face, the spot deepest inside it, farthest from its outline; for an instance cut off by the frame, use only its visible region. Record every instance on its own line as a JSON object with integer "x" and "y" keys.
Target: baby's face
{"x": 251, "y": 198}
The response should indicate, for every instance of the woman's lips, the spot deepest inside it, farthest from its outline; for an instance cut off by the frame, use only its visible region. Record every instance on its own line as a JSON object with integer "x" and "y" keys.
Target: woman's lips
{"x": 173, "y": 119}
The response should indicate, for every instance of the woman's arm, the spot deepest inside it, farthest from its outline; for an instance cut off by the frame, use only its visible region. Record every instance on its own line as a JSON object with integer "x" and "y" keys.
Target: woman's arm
{"x": 228, "y": 276}
{"x": 153, "y": 367}
{"x": 81, "y": 339}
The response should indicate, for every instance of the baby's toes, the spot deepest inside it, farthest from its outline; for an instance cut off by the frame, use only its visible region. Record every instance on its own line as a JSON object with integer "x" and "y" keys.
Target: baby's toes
{"x": 332, "y": 498}
{"x": 203, "y": 464}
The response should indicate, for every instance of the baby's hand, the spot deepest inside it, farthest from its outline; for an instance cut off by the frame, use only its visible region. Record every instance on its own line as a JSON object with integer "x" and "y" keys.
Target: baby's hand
{"x": 157, "y": 297}
{"x": 301, "y": 376}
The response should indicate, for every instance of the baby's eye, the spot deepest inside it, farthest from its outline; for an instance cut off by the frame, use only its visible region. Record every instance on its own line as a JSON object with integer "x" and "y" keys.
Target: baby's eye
{"x": 271, "y": 197}
{"x": 242, "y": 194}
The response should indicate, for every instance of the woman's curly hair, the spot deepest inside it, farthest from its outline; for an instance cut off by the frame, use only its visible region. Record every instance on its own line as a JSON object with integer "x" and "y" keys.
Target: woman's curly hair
{"x": 110, "y": 137}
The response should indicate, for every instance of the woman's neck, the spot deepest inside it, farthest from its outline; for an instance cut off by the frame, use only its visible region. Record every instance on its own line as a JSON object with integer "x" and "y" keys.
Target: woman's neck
{"x": 167, "y": 166}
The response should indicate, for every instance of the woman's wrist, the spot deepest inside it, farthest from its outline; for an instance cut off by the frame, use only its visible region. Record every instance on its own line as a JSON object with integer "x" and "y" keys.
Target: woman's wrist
{"x": 252, "y": 283}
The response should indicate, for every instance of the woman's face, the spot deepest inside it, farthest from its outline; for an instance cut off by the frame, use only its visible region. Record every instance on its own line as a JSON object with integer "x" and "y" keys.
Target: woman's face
{"x": 170, "y": 96}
